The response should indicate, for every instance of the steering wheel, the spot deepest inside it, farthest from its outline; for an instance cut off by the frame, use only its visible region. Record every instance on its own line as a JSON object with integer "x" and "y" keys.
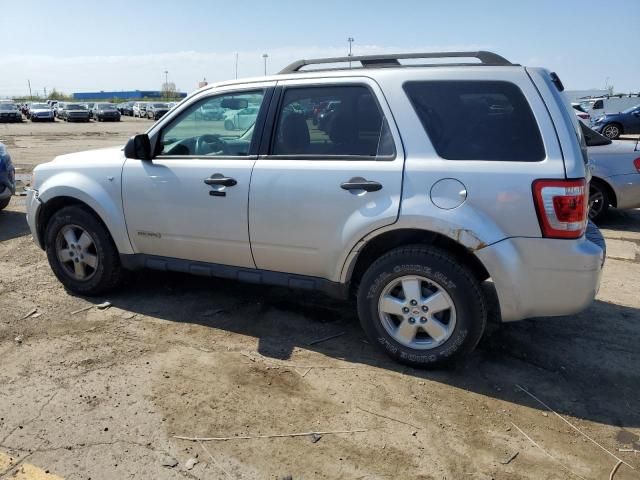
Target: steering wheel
{"x": 206, "y": 144}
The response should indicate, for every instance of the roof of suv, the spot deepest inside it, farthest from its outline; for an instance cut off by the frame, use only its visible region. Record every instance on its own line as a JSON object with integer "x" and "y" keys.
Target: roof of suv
{"x": 368, "y": 64}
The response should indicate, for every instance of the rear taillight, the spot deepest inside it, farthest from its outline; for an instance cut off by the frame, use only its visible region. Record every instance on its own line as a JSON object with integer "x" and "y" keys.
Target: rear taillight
{"x": 562, "y": 207}
{"x": 584, "y": 116}
{"x": 636, "y": 163}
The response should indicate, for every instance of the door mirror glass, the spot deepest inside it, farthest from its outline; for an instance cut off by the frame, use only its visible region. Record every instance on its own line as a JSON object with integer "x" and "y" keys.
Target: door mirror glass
{"x": 138, "y": 147}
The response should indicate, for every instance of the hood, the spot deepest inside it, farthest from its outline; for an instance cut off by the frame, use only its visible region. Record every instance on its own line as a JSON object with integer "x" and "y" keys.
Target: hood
{"x": 99, "y": 155}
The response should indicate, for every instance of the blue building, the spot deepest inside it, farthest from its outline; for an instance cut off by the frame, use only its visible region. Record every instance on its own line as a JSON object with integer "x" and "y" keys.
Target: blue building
{"x": 130, "y": 95}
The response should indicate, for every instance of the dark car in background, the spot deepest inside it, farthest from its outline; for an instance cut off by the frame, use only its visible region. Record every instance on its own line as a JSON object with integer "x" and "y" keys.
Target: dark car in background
{"x": 10, "y": 113}
{"x": 7, "y": 177}
{"x": 105, "y": 112}
{"x": 612, "y": 125}
{"x": 74, "y": 112}
{"x": 126, "y": 109}
{"x": 155, "y": 111}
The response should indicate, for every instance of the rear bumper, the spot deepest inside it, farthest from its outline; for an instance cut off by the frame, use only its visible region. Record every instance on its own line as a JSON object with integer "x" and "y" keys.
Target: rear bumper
{"x": 541, "y": 277}
{"x": 7, "y": 188}
{"x": 627, "y": 188}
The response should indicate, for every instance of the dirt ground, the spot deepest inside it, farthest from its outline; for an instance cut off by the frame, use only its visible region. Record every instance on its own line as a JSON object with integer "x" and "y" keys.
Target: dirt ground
{"x": 102, "y": 393}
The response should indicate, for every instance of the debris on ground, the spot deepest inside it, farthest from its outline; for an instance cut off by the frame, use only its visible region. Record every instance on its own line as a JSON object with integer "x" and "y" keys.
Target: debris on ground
{"x": 510, "y": 458}
{"x": 103, "y": 306}
{"x": 169, "y": 461}
{"x": 189, "y": 464}
{"x": 31, "y": 312}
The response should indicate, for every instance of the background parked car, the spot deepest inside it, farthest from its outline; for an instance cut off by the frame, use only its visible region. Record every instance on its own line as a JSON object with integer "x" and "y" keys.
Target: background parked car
{"x": 596, "y": 107}
{"x": 105, "y": 111}
{"x": 41, "y": 112}
{"x": 75, "y": 112}
{"x": 9, "y": 113}
{"x": 58, "y": 110}
{"x": 615, "y": 170}
{"x": 7, "y": 177}
{"x": 140, "y": 109}
{"x": 612, "y": 125}
{"x": 89, "y": 107}
{"x": 581, "y": 114}
{"x": 156, "y": 111}
{"x": 240, "y": 119}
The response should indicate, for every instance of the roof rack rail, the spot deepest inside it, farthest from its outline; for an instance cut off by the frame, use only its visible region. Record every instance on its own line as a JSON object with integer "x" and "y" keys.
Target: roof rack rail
{"x": 392, "y": 60}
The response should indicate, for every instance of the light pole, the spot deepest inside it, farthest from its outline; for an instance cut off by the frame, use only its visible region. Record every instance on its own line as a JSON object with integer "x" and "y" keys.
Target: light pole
{"x": 166, "y": 83}
{"x": 265, "y": 56}
{"x": 350, "y": 40}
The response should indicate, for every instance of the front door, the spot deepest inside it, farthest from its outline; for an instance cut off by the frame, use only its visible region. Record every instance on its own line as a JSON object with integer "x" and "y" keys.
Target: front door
{"x": 190, "y": 201}
{"x": 329, "y": 176}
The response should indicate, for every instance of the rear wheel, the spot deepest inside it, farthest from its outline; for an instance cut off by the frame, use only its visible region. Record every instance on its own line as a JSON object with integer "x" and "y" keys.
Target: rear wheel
{"x": 81, "y": 252}
{"x": 611, "y": 130}
{"x": 421, "y": 306}
{"x": 598, "y": 201}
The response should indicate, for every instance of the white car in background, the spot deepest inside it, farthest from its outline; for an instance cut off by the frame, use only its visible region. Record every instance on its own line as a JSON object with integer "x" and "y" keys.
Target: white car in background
{"x": 240, "y": 119}
{"x": 582, "y": 115}
{"x": 615, "y": 173}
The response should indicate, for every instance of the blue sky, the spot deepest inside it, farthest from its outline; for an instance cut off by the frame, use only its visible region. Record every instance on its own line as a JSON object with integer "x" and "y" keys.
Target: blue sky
{"x": 81, "y": 45}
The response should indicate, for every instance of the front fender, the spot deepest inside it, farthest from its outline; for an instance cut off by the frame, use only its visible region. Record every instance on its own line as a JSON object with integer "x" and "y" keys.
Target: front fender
{"x": 103, "y": 196}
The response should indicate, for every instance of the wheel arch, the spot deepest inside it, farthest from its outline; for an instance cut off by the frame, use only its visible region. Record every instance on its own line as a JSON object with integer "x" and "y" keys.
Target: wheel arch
{"x": 384, "y": 242}
{"x": 613, "y": 199}
{"x": 100, "y": 203}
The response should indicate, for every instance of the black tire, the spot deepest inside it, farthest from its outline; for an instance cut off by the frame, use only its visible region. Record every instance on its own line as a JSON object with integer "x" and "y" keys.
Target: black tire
{"x": 108, "y": 273}
{"x": 612, "y": 130}
{"x": 599, "y": 201}
{"x": 455, "y": 279}
{"x": 4, "y": 203}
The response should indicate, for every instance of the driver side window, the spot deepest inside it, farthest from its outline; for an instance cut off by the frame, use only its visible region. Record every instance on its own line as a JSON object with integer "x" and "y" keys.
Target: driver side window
{"x": 220, "y": 125}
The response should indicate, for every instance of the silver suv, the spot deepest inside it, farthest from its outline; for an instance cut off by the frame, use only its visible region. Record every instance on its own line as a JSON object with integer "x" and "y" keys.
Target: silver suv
{"x": 421, "y": 182}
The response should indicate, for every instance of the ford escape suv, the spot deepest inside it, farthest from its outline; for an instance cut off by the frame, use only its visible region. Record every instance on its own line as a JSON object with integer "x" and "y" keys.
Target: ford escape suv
{"x": 426, "y": 180}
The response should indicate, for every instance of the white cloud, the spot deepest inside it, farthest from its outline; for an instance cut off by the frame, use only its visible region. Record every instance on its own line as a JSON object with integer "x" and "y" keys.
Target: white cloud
{"x": 145, "y": 72}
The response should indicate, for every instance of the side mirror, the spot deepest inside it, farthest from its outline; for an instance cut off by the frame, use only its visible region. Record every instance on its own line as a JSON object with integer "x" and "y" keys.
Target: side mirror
{"x": 138, "y": 147}
{"x": 234, "y": 103}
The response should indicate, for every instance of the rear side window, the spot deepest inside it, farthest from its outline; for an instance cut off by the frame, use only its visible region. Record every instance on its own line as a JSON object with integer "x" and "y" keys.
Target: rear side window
{"x": 477, "y": 120}
{"x": 332, "y": 121}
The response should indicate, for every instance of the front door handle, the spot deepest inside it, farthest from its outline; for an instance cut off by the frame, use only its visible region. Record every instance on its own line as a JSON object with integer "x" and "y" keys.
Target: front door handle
{"x": 219, "y": 179}
{"x": 359, "y": 183}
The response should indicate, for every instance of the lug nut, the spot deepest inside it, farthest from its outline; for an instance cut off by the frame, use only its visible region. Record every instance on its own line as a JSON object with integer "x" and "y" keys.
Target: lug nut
{"x": 423, "y": 319}
{"x": 425, "y": 308}
{"x": 414, "y": 302}
{"x": 412, "y": 320}
{"x": 405, "y": 309}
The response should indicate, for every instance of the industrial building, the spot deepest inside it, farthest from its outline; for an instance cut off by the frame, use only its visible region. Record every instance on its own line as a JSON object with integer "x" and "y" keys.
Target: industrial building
{"x": 129, "y": 95}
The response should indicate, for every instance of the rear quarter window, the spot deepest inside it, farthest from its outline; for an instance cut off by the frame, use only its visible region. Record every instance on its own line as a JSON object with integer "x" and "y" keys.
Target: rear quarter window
{"x": 477, "y": 120}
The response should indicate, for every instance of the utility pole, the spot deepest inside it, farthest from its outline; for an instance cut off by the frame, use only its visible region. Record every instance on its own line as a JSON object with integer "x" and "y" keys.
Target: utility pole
{"x": 30, "y": 95}
{"x": 236, "y": 67}
{"x": 166, "y": 84}
{"x": 45, "y": 92}
{"x": 265, "y": 56}
{"x": 350, "y": 40}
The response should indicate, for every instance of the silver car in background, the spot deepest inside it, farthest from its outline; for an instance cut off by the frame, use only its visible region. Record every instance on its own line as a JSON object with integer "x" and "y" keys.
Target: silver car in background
{"x": 615, "y": 169}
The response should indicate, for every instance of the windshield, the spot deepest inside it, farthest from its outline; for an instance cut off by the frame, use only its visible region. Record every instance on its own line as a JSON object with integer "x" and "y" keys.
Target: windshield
{"x": 39, "y": 105}
{"x": 629, "y": 110}
{"x": 160, "y": 105}
{"x": 106, "y": 106}
{"x": 7, "y": 106}
{"x": 74, "y": 106}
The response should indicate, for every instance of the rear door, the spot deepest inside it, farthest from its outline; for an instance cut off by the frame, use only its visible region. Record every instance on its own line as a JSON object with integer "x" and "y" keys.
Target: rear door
{"x": 317, "y": 189}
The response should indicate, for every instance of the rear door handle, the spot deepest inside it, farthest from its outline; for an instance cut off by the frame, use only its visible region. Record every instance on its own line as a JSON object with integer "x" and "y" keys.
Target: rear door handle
{"x": 219, "y": 179}
{"x": 361, "y": 184}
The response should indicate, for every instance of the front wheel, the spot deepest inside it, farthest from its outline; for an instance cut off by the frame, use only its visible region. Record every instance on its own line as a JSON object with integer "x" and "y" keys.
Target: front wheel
{"x": 421, "y": 306}
{"x": 4, "y": 203}
{"x": 81, "y": 252}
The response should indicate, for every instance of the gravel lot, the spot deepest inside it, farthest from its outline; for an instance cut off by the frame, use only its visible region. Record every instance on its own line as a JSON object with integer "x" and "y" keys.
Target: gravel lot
{"x": 102, "y": 393}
